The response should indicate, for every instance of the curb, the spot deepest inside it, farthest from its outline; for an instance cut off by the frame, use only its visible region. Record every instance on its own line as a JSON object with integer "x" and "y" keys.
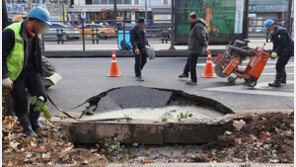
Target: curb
{"x": 121, "y": 53}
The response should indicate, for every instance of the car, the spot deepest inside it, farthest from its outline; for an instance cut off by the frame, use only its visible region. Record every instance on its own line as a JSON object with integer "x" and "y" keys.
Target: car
{"x": 103, "y": 31}
{"x": 69, "y": 32}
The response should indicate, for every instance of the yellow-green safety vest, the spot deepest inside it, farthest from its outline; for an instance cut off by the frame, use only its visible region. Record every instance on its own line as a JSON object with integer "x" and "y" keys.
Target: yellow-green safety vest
{"x": 15, "y": 60}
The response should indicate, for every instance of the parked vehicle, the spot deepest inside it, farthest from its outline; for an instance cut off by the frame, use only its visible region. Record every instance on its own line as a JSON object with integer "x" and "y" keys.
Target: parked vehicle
{"x": 103, "y": 31}
{"x": 69, "y": 33}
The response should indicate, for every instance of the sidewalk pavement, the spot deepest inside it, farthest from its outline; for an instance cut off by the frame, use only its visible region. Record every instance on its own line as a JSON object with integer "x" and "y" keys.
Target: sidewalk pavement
{"x": 157, "y": 46}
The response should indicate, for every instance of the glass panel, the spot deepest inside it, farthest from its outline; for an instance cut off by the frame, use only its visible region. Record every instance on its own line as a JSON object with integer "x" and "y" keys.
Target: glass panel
{"x": 126, "y": 1}
{"x": 97, "y": 2}
{"x": 103, "y": 2}
{"x": 89, "y": 2}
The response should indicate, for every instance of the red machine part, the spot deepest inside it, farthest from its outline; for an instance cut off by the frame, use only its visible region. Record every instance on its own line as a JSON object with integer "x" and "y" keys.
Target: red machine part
{"x": 218, "y": 59}
{"x": 257, "y": 64}
{"x": 231, "y": 66}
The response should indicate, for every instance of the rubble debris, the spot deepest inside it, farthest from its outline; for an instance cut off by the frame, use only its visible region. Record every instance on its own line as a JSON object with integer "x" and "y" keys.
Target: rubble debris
{"x": 269, "y": 140}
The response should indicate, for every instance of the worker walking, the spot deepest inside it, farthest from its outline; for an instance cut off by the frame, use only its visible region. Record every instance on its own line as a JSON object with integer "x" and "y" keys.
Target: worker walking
{"x": 197, "y": 42}
{"x": 139, "y": 41}
{"x": 283, "y": 47}
{"x": 21, "y": 66}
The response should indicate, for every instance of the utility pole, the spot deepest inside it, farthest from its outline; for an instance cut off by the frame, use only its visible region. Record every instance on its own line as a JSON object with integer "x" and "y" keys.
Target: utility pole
{"x": 4, "y": 15}
{"x": 289, "y": 17}
{"x": 172, "y": 47}
{"x": 29, "y": 3}
{"x": 115, "y": 12}
{"x": 146, "y": 10}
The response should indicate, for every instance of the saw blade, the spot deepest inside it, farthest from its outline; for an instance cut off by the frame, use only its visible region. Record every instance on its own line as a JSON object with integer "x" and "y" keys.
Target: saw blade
{"x": 219, "y": 71}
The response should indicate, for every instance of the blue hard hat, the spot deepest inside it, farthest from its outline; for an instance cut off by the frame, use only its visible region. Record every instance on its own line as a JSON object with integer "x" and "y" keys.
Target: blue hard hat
{"x": 40, "y": 14}
{"x": 267, "y": 24}
{"x": 141, "y": 20}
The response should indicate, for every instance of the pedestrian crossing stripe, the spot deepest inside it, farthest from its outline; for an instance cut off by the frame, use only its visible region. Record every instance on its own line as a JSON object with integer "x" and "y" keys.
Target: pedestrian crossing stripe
{"x": 257, "y": 90}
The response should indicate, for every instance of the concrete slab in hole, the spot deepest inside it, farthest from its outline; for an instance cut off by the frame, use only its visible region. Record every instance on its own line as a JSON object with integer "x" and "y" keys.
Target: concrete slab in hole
{"x": 106, "y": 104}
{"x": 140, "y": 97}
{"x": 153, "y": 132}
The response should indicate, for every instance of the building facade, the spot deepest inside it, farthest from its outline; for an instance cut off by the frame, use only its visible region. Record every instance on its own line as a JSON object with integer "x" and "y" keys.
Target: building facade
{"x": 103, "y": 10}
{"x": 56, "y": 8}
{"x": 261, "y": 10}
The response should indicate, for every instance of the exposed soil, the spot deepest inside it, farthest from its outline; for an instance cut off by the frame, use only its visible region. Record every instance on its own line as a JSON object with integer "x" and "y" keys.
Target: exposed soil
{"x": 263, "y": 138}
{"x": 51, "y": 147}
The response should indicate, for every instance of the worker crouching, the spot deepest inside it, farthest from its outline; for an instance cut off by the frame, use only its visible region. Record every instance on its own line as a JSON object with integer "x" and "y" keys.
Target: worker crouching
{"x": 22, "y": 66}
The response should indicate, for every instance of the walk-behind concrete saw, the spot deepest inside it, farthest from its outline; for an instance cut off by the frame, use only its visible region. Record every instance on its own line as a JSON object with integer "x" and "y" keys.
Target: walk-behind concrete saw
{"x": 236, "y": 54}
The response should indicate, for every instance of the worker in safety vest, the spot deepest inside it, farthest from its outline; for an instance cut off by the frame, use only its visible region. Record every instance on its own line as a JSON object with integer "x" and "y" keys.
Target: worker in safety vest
{"x": 22, "y": 66}
{"x": 283, "y": 48}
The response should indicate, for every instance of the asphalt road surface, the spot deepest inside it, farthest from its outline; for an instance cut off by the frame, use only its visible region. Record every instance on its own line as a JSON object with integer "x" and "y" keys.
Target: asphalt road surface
{"x": 86, "y": 77}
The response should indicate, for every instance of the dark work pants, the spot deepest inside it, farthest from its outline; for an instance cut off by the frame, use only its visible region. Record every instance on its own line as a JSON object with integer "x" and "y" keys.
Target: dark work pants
{"x": 140, "y": 61}
{"x": 281, "y": 64}
{"x": 31, "y": 79}
{"x": 191, "y": 66}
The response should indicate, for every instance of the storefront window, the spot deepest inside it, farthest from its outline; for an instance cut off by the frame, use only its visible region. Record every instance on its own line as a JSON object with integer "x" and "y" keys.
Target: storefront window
{"x": 142, "y": 14}
{"x": 126, "y": 2}
{"x": 107, "y": 2}
{"x": 104, "y": 2}
{"x": 153, "y": 2}
{"x": 96, "y": 16}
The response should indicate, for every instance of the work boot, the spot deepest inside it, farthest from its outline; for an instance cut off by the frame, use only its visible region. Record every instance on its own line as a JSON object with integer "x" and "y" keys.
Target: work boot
{"x": 277, "y": 81}
{"x": 183, "y": 76}
{"x": 34, "y": 116}
{"x": 284, "y": 78}
{"x": 25, "y": 123}
{"x": 191, "y": 83}
{"x": 140, "y": 79}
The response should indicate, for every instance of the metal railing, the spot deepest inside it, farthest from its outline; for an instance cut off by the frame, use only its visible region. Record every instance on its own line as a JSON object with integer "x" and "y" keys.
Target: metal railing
{"x": 95, "y": 30}
{"x": 90, "y": 30}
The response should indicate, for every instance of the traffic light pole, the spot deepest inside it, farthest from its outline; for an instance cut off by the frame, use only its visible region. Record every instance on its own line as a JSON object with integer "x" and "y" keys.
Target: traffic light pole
{"x": 172, "y": 25}
{"x": 289, "y": 17}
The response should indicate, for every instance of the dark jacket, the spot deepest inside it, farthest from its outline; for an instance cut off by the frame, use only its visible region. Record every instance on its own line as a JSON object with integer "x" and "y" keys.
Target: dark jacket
{"x": 8, "y": 40}
{"x": 138, "y": 38}
{"x": 283, "y": 44}
{"x": 198, "y": 37}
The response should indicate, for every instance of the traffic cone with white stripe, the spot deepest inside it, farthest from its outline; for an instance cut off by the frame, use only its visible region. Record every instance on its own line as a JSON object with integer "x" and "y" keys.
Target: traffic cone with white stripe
{"x": 114, "y": 68}
{"x": 209, "y": 68}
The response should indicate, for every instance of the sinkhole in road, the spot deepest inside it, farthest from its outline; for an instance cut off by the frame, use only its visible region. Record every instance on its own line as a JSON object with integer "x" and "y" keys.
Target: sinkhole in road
{"x": 154, "y": 116}
{"x": 144, "y": 104}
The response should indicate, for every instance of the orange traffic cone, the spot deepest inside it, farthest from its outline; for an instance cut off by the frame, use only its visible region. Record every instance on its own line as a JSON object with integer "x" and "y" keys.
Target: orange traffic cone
{"x": 114, "y": 68}
{"x": 209, "y": 68}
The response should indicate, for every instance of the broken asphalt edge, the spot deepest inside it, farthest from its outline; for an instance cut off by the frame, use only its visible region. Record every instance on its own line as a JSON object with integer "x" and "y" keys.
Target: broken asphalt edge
{"x": 90, "y": 132}
{"x": 185, "y": 132}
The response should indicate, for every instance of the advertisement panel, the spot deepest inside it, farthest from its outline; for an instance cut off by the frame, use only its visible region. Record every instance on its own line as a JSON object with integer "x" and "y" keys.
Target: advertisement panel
{"x": 224, "y": 19}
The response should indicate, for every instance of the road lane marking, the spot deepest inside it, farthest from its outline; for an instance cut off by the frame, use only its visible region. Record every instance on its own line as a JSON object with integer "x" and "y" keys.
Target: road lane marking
{"x": 274, "y": 73}
{"x": 258, "y": 90}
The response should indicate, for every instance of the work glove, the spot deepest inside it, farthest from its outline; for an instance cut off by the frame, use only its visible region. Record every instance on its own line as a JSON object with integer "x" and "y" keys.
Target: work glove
{"x": 7, "y": 83}
{"x": 206, "y": 48}
{"x": 273, "y": 55}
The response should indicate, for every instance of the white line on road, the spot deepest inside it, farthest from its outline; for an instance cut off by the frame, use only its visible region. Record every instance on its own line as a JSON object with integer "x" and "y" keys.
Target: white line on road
{"x": 258, "y": 90}
{"x": 274, "y": 73}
